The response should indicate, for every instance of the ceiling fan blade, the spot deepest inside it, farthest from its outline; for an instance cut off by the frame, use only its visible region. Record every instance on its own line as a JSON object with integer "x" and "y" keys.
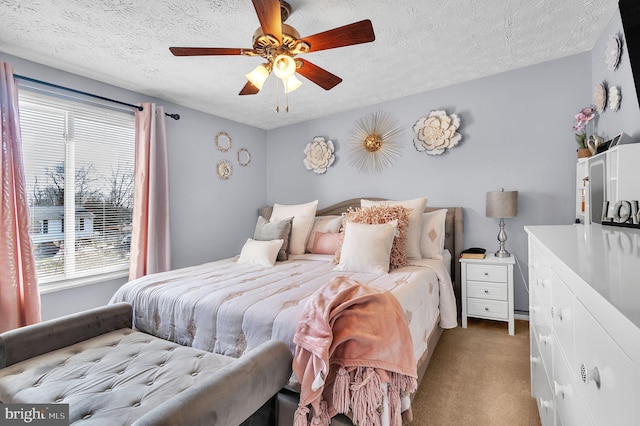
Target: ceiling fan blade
{"x": 319, "y": 76}
{"x": 202, "y": 51}
{"x": 356, "y": 33}
{"x": 270, "y": 17}
{"x": 249, "y": 89}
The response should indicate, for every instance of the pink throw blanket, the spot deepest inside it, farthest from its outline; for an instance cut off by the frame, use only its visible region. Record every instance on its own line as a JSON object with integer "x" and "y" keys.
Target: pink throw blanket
{"x": 353, "y": 338}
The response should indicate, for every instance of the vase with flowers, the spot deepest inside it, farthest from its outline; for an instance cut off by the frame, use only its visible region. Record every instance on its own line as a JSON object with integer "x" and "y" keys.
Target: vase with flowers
{"x": 581, "y": 120}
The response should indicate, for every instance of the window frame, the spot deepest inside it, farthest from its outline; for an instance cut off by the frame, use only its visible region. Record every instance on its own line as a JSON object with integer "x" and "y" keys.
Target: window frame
{"x": 73, "y": 275}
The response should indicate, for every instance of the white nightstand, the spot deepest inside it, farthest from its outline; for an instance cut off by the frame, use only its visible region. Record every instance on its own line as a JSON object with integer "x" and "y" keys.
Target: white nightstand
{"x": 487, "y": 289}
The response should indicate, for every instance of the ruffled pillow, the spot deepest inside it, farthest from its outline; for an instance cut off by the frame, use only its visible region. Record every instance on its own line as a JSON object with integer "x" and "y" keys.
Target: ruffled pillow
{"x": 378, "y": 215}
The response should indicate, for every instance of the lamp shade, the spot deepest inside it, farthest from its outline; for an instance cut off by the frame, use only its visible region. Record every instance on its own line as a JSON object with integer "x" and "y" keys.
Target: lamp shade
{"x": 284, "y": 66}
{"x": 502, "y": 204}
{"x": 291, "y": 84}
{"x": 258, "y": 76}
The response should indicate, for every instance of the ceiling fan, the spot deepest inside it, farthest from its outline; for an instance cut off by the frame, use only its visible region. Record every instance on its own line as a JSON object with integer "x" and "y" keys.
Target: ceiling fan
{"x": 280, "y": 43}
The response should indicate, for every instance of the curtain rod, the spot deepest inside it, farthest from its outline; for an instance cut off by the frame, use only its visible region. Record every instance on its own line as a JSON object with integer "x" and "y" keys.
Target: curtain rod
{"x": 139, "y": 108}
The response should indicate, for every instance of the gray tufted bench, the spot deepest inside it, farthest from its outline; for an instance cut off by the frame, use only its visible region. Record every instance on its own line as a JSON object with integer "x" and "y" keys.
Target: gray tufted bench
{"x": 110, "y": 374}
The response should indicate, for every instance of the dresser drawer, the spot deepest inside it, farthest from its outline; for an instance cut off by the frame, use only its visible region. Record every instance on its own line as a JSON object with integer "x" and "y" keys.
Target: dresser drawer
{"x": 541, "y": 388}
{"x": 487, "y": 290}
{"x": 563, "y": 315}
{"x": 484, "y": 308}
{"x": 492, "y": 273}
{"x": 595, "y": 351}
{"x": 568, "y": 401}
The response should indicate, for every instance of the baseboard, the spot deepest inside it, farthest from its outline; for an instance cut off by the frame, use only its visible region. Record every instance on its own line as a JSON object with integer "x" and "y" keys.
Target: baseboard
{"x": 521, "y": 315}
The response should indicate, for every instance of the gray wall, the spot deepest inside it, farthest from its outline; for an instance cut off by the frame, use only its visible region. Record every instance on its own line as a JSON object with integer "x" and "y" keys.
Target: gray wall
{"x": 517, "y": 134}
{"x": 210, "y": 218}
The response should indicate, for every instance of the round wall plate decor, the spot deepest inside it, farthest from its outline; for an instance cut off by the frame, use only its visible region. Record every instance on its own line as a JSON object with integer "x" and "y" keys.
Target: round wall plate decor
{"x": 224, "y": 169}
{"x": 244, "y": 157}
{"x": 223, "y": 141}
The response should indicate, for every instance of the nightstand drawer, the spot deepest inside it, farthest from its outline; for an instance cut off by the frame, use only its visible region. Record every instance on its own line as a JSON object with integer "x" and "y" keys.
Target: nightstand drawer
{"x": 492, "y": 273}
{"x": 487, "y": 290}
{"x": 488, "y": 308}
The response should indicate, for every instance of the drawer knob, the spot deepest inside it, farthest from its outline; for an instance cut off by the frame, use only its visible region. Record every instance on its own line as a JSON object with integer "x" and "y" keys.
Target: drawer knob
{"x": 561, "y": 390}
{"x": 535, "y": 359}
{"x": 486, "y": 292}
{"x": 546, "y": 404}
{"x": 588, "y": 374}
{"x": 544, "y": 340}
{"x": 557, "y": 312}
{"x": 486, "y": 274}
{"x": 486, "y": 308}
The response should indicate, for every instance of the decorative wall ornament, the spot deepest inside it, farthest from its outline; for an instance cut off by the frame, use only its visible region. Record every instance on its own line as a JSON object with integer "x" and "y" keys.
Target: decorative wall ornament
{"x": 600, "y": 96}
{"x": 319, "y": 155}
{"x": 373, "y": 144}
{"x": 612, "y": 52}
{"x": 436, "y": 132}
{"x": 244, "y": 157}
{"x": 224, "y": 169}
{"x": 614, "y": 98}
{"x": 223, "y": 141}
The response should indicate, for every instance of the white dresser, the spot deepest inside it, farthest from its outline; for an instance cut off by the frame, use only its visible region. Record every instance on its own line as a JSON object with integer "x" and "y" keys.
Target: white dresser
{"x": 584, "y": 309}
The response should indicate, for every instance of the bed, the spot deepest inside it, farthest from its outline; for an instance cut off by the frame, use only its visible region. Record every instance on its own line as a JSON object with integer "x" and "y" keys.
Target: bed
{"x": 230, "y": 308}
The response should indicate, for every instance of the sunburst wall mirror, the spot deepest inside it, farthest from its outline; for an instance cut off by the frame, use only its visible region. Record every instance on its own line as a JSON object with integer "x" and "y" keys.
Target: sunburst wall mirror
{"x": 374, "y": 143}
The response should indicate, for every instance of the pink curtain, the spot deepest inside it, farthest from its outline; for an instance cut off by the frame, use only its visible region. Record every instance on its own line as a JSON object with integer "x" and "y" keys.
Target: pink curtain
{"x": 19, "y": 296}
{"x": 150, "y": 242}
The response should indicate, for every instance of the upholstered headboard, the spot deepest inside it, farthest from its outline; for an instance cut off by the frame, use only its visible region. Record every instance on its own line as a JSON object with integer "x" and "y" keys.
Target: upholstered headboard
{"x": 453, "y": 233}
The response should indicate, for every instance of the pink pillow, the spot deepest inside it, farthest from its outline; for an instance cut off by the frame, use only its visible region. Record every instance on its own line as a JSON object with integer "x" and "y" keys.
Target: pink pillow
{"x": 325, "y": 242}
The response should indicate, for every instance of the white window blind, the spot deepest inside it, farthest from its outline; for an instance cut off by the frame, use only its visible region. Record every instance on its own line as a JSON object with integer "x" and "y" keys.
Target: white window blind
{"x": 79, "y": 161}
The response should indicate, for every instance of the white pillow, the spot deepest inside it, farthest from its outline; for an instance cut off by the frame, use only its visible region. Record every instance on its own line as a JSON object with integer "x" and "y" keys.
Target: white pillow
{"x": 303, "y": 215}
{"x": 432, "y": 234}
{"x": 324, "y": 224}
{"x": 417, "y": 206}
{"x": 261, "y": 253}
{"x": 367, "y": 248}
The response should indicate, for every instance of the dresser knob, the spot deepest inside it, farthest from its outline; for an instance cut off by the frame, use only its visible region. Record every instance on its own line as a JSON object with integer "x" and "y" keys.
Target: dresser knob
{"x": 486, "y": 308}
{"x": 587, "y": 374}
{"x": 546, "y": 404}
{"x": 486, "y": 292}
{"x": 486, "y": 274}
{"x": 561, "y": 390}
{"x": 534, "y": 359}
{"x": 544, "y": 340}
{"x": 556, "y": 312}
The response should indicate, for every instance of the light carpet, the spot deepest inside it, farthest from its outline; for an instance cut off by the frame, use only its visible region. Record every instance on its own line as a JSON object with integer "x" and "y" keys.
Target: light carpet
{"x": 478, "y": 376}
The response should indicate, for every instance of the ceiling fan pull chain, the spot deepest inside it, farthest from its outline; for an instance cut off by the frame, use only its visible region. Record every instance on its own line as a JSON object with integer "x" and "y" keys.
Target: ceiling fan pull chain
{"x": 277, "y": 107}
{"x": 286, "y": 96}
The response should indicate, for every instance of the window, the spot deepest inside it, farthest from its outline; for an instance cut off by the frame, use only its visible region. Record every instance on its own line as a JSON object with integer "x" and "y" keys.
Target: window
{"x": 78, "y": 160}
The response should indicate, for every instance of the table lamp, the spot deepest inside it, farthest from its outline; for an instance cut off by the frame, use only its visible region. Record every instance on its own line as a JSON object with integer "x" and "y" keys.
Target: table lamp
{"x": 502, "y": 204}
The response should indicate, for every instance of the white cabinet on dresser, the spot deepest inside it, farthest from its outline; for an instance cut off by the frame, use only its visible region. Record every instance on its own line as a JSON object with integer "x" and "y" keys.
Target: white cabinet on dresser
{"x": 585, "y": 324}
{"x": 487, "y": 289}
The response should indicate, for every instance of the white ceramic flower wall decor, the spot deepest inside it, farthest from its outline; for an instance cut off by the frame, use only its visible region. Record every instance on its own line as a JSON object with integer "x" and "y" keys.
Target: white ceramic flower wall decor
{"x": 437, "y": 132}
{"x": 319, "y": 155}
{"x": 613, "y": 52}
{"x": 614, "y": 98}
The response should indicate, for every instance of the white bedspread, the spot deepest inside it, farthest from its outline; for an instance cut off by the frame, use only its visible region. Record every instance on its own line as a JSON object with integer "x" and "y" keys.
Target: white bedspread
{"x": 230, "y": 308}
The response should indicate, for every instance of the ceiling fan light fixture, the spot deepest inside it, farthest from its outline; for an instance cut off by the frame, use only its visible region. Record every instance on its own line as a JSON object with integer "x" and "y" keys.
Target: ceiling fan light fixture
{"x": 258, "y": 76}
{"x": 284, "y": 66}
{"x": 291, "y": 84}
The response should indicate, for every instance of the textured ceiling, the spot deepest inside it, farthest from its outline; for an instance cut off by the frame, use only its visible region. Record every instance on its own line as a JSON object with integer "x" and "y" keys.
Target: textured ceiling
{"x": 420, "y": 45}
